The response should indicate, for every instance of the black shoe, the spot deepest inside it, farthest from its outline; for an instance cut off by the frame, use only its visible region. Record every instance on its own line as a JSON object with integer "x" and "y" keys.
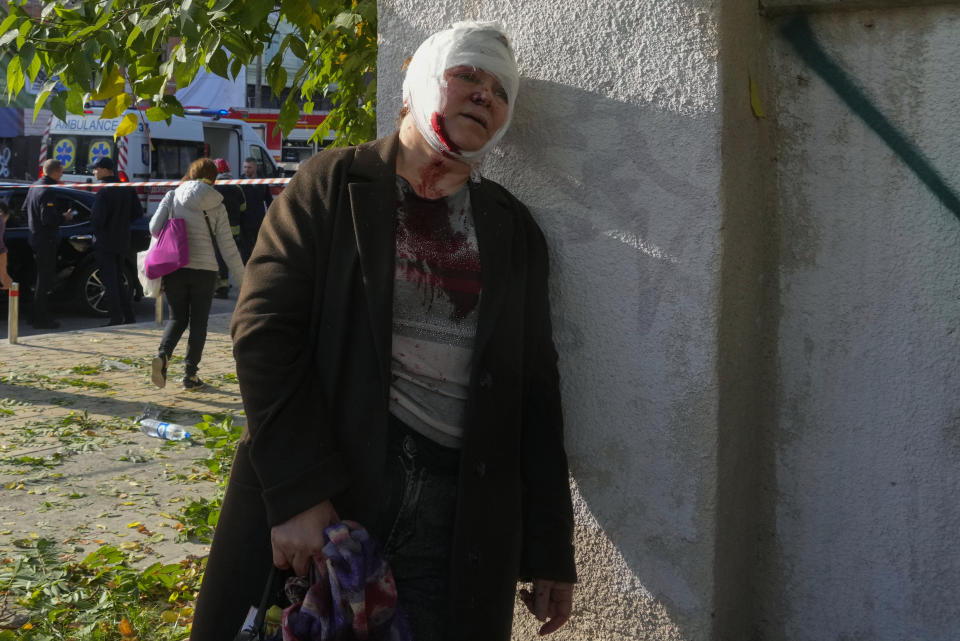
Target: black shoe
{"x": 221, "y": 292}
{"x": 112, "y": 324}
{"x": 48, "y": 324}
{"x": 159, "y": 373}
{"x": 192, "y": 382}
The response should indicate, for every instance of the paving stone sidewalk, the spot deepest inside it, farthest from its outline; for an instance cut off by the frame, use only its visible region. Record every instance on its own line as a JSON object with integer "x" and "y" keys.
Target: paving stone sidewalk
{"x": 73, "y": 466}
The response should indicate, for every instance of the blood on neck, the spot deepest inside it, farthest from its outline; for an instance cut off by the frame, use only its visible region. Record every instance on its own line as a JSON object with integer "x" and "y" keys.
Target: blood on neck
{"x": 430, "y": 176}
{"x": 433, "y": 173}
{"x": 440, "y": 165}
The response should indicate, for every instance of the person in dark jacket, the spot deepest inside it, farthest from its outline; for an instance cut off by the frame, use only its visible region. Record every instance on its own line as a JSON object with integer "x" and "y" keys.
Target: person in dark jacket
{"x": 45, "y": 212}
{"x": 258, "y": 201}
{"x": 5, "y": 280}
{"x": 394, "y": 352}
{"x": 235, "y": 203}
{"x": 114, "y": 210}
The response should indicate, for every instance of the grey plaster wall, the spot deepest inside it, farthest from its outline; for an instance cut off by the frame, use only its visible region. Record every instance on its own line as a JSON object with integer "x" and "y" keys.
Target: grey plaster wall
{"x": 756, "y": 303}
{"x": 775, "y": 7}
{"x": 868, "y": 441}
{"x": 747, "y": 332}
{"x": 616, "y": 147}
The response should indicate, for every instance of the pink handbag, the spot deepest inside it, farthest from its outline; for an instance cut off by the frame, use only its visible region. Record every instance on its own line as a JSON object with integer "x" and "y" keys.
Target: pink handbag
{"x": 171, "y": 252}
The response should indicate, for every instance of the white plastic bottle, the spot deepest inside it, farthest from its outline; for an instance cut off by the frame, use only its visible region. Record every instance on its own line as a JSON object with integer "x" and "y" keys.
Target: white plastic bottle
{"x": 162, "y": 429}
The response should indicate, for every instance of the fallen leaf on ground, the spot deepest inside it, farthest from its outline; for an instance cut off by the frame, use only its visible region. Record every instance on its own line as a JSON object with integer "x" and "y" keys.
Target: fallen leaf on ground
{"x": 125, "y": 628}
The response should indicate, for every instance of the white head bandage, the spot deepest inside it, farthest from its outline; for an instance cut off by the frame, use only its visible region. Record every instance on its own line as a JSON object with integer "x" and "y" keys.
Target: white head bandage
{"x": 482, "y": 45}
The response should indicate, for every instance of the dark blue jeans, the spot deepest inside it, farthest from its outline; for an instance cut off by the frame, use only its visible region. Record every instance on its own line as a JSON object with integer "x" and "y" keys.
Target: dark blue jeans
{"x": 190, "y": 294}
{"x": 119, "y": 298}
{"x": 45, "y": 257}
{"x": 415, "y": 527}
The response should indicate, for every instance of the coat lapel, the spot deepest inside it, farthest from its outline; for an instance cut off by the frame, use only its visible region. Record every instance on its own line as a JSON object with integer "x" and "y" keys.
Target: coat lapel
{"x": 373, "y": 201}
{"x": 494, "y": 226}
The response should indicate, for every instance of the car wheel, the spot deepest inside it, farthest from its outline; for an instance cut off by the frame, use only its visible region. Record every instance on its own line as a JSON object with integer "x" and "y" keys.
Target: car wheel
{"x": 91, "y": 295}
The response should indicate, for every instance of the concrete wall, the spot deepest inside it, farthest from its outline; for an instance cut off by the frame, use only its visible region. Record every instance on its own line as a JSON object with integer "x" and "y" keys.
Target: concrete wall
{"x": 868, "y": 442}
{"x": 746, "y": 337}
{"x": 616, "y": 148}
{"x": 777, "y": 7}
{"x": 754, "y": 229}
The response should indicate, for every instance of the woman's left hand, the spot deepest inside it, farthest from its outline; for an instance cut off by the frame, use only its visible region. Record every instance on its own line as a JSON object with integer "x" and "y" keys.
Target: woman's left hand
{"x": 550, "y": 601}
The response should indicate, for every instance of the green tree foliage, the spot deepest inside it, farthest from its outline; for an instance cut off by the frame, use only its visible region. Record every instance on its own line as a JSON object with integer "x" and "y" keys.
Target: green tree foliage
{"x": 115, "y": 50}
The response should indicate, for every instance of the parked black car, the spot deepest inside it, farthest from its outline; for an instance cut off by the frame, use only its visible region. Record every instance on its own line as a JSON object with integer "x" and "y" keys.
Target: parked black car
{"x": 78, "y": 277}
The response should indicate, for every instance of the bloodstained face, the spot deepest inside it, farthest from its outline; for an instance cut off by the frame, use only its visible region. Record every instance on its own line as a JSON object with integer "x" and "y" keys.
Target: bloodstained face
{"x": 475, "y": 106}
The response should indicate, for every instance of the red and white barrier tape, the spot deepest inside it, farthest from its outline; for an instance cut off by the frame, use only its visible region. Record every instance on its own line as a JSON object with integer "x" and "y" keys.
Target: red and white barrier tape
{"x": 155, "y": 183}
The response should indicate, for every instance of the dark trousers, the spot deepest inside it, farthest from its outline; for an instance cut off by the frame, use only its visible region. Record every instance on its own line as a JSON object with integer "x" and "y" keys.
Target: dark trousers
{"x": 45, "y": 256}
{"x": 247, "y": 240}
{"x": 415, "y": 528}
{"x": 118, "y": 297}
{"x": 189, "y": 293}
{"x": 223, "y": 270}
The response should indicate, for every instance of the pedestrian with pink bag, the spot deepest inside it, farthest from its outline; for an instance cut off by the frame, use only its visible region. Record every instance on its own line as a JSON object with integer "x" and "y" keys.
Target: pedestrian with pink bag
{"x": 189, "y": 288}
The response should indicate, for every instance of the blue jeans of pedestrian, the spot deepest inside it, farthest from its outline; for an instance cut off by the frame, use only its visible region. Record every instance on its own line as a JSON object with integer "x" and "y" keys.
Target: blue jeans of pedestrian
{"x": 415, "y": 528}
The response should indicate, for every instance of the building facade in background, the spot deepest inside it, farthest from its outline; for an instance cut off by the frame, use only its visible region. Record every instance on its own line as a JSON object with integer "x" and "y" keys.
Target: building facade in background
{"x": 21, "y": 138}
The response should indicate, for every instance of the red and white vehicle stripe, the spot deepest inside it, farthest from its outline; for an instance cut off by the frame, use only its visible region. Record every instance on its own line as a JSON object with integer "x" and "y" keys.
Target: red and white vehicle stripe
{"x": 43, "y": 142}
{"x": 122, "y": 154}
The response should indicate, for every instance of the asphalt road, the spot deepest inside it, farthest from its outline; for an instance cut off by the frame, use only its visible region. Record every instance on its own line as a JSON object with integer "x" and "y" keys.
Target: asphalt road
{"x": 70, "y": 319}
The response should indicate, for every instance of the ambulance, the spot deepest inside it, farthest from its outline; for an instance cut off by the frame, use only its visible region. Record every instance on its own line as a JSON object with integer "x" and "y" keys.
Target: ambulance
{"x": 155, "y": 151}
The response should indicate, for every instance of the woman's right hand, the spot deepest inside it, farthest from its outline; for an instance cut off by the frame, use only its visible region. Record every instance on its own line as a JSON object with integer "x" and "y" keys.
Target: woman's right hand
{"x": 300, "y": 538}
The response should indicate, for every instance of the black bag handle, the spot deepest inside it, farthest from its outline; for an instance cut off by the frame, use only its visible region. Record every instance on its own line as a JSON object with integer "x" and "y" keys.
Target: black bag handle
{"x": 210, "y": 229}
{"x": 265, "y": 599}
{"x": 256, "y": 634}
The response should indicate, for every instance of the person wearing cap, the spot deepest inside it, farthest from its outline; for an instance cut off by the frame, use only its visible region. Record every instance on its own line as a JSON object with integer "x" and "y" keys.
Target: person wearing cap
{"x": 114, "y": 211}
{"x": 394, "y": 352}
{"x": 45, "y": 212}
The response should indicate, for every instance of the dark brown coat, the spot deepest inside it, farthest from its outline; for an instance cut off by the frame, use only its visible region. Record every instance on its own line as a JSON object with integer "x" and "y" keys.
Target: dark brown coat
{"x": 312, "y": 332}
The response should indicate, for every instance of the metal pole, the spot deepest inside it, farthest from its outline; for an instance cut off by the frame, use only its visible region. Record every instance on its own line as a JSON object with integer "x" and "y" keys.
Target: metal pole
{"x": 257, "y": 98}
{"x": 13, "y": 313}
{"x": 160, "y": 309}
